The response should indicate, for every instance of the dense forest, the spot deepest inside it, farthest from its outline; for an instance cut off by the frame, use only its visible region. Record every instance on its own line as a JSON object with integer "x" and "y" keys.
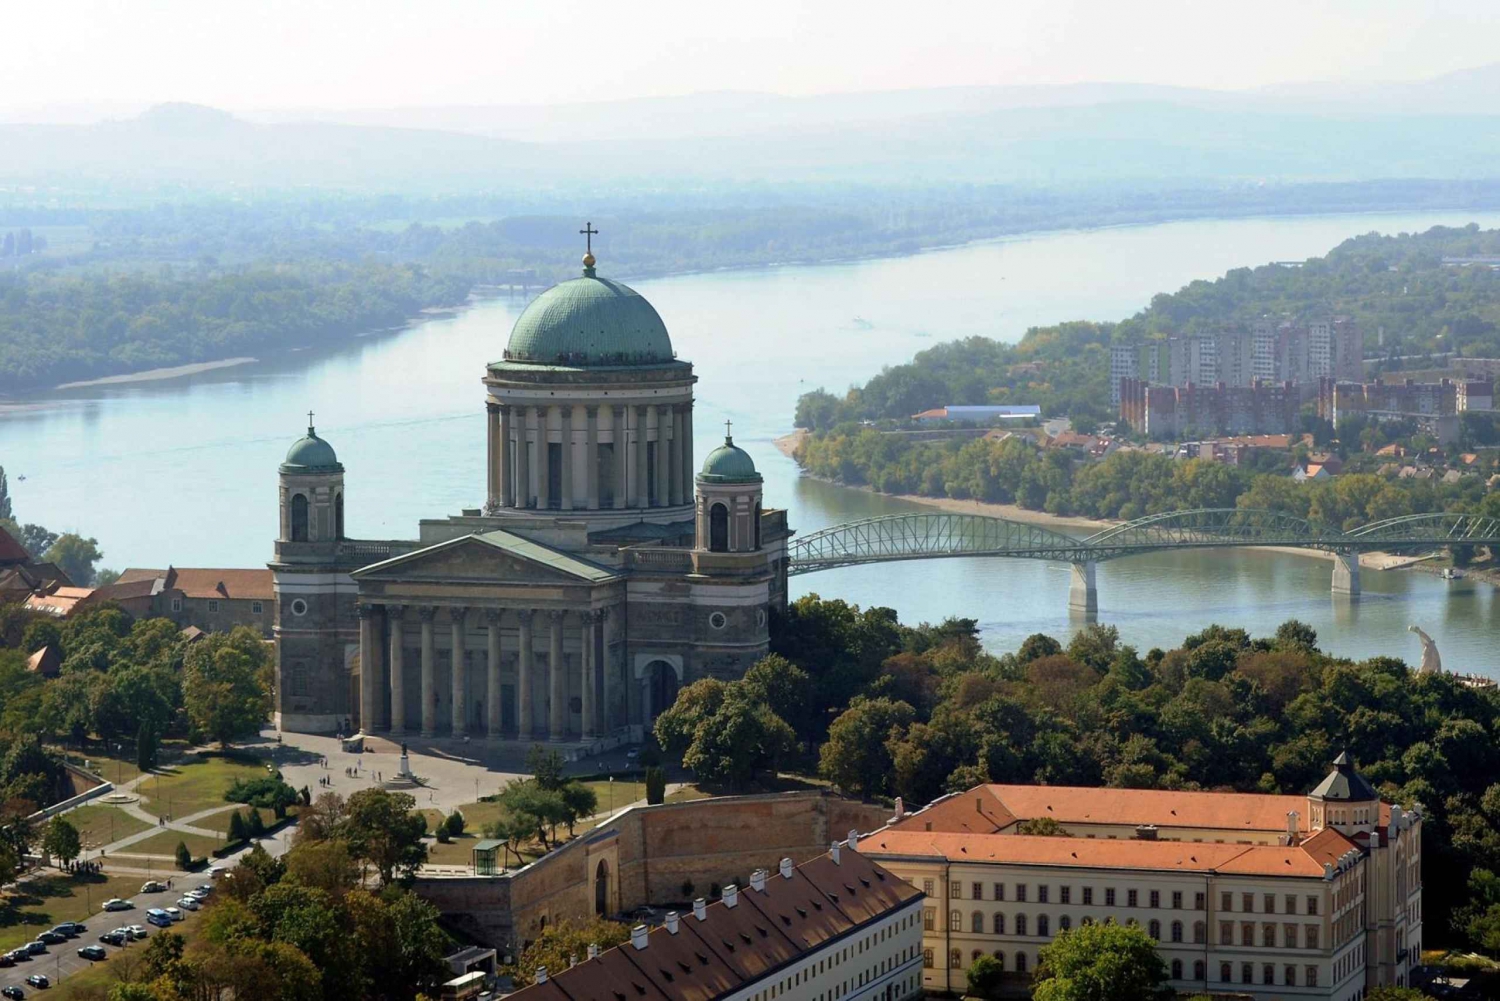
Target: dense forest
{"x": 1397, "y": 285}
{"x": 882, "y": 709}
{"x": 99, "y": 291}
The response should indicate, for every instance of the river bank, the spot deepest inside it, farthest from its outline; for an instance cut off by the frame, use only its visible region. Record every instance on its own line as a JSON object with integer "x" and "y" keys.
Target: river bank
{"x": 158, "y": 374}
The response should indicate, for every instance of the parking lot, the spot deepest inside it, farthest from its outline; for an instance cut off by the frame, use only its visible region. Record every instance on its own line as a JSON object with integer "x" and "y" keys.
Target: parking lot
{"x": 60, "y": 961}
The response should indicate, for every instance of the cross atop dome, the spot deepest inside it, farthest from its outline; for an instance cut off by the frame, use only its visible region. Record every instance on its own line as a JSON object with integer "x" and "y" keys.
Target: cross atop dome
{"x": 728, "y": 438}
{"x": 588, "y": 233}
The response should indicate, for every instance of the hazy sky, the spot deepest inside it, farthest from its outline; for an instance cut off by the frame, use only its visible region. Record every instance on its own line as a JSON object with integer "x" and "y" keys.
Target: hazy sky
{"x": 380, "y": 53}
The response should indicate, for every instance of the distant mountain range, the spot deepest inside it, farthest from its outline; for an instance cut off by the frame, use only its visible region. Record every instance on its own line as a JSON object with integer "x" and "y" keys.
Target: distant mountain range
{"x": 1084, "y": 134}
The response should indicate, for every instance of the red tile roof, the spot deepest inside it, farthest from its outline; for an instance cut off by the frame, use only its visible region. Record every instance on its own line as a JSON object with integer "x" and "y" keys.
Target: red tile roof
{"x": 210, "y": 583}
{"x": 1092, "y": 853}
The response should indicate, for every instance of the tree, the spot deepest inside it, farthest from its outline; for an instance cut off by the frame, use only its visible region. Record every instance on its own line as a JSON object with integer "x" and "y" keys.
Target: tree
{"x": 323, "y": 864}
{"x": 1046, "y": 827}
{"x": 222, "y": 684}
{"x": 559, "y": 942}
{"x": 676, "y": 728}
{"x": 145, "y": 747}
{"x": 255, "y": 827}
{"x": 742, "y": 738}
{"x": 985, "y": 977}
{"x": 656, "y": 786}
{"x": 61, "y": 840}
{"x": 6, "y": 513}
{"x": 580, "y": 801}
{"x": 184, "y": 857}
{"x": 546, "y": 766}
{"x": 855, "y": 757}
{"x": 76, "y": 556}
{"x": 384, "y": 829}
{"x": 454, "y": 823}
{"x": 237, "y": 831}
{"x": 1101, "y": 962}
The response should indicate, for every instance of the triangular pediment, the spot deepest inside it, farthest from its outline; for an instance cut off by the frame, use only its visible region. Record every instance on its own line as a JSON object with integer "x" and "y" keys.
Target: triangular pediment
{"x": 488, "y": 558}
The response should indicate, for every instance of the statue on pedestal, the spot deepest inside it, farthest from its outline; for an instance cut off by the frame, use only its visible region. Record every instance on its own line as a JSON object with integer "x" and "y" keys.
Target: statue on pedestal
{"x": 1431, "y": 662}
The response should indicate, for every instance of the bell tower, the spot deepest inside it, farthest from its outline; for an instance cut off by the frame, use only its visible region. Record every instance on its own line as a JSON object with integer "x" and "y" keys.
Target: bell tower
{"x": 729, "y": 497}
{"x": 312, "y": 491}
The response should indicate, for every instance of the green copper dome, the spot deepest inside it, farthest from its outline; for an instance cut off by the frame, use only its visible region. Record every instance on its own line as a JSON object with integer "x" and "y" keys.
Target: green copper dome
{"x": 729, "y": 464}
{"x": 589, "y": 321}
{"x": 311, "y": 454}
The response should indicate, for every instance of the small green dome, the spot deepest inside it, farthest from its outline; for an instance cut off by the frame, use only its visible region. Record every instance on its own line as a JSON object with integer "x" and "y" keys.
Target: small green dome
{"x": 311, "y": 454}
{"x": 589, "y": 321}
{"x": 729, "y": 464}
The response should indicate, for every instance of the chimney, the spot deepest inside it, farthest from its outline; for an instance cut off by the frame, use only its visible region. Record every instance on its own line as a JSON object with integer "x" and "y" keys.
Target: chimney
{"x": 758, "y": 880}
{"x": 572, "y": 960}
{"x": 833, "y": 853}
{"x": 671, "y": 922}
{"x": 593, "y": 950}
{"x": 978, "y": 804}
{"x": 638, "y": 937}
{"x": 1327, "y": 870}
{"x": 541, "y": 974}
{"x": 900, "y": 807}
{"x": 854, "y": 840}
{"x": 700, "y": 909}
{"x": 1292, "y": 816}
{"x": 731, "y": 895}
{"x": 786, "y": 868}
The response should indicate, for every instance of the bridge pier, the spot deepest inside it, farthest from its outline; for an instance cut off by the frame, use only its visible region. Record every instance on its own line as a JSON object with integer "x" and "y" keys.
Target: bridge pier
{"x": 1346, "y": 573}
{"x": 1082, "y": 595}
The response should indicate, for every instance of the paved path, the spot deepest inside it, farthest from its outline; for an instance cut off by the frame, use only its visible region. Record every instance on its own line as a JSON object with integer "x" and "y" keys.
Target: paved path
{"x": 134, "y": 809}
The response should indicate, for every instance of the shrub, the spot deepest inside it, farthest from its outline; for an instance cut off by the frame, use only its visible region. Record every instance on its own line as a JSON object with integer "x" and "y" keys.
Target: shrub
{"x": 265, "y": 792}
{"x": 237, "y": 830}
{"x": 454, "y": 824}
{"x": 656, "y": 785}
{"x": 442, "y": 834}
{"x": 184, "y": 857}
{"x": 254, "y": 826}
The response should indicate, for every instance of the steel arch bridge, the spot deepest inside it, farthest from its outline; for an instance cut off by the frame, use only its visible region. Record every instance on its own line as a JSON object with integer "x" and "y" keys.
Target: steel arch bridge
{"x": 942, "y": 535}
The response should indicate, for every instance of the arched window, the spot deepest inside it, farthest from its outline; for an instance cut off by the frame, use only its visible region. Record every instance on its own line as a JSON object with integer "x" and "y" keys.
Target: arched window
{"x": 1020, "y": 924}
{"x": 1200, "y": 932}
{"x": 1043, "y": 925}
{"x": 1267, "y": 973}
{"x": 974, "y": 956}
{"x": 999, "y": 924}
{"x": 299, "y": 517}
{"x": 1225, "y": 972}
{"x": 1176, "y": 931}
{"x": 1199, "y": 969}
{"x": 1064, "y": 923}
{"x": 1085, "y": 920}
{"x": 757, "y": 524}
{"x": 1131, "y": 922}
{"x": 955, "y": 960}
{"x": 718, "y": 529}
{"x": 1176, "y": 969}
{"x": 601, "y": 888}
{"x": 1020, "y": 962}
{"x": 976, "y": 923}
{"x": 338, "y": 515}
{"x": 1154, "y": 929}
{"x": 1291, "y": 975}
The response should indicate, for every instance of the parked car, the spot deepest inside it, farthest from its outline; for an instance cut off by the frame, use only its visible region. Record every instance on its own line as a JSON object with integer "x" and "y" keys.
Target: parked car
{"x": 38, "y": 980}
{"x": 93, "y": 952}
{"x": 215, "y": 871}
{"x": 116, "y": 904}
{"x": 206, "y": 887}
{"x": 7, "y": 960}
{"x": 12, "y": 992}
{"x": 189, "y": 903}
{"x": 66, "y": 930}
{"x": 114, "y": 937}
{"x": 174, "y": 913}
{"x": 78, "y": 927}
{"x": 19, "y": 955}
{"x": 36, "y": 948}
{"x": 137, "y": 931}
{"x": 160, "y": 918}
{"x": 153, "y": 886}
{"x": 52, "y": 938}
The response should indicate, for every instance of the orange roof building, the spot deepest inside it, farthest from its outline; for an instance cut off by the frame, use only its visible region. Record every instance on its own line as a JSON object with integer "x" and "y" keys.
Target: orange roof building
{"x": 1266, "y": 895}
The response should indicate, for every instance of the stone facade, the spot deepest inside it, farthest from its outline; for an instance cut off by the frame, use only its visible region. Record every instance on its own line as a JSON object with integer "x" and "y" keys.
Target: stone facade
{"x": 649, "y": 855}
{"x": 591, "y": 586}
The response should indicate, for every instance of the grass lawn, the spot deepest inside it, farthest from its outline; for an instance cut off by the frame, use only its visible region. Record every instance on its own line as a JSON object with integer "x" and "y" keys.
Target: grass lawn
{"x": 476, "y": 816}
{"x": 181, "y": 790}
{"x": 37, "y": 904}
{"x": 165, "y": 844}
{"x": 624, "y": 793}
{"x": 118, "y": 768}
{"x": 99, "y": 825}
{"x": 686, "y": 793}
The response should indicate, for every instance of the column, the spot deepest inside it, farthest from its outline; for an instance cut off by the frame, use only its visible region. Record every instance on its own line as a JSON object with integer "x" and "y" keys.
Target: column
{"x": 429, "y": 673}
{"x": 622, "y": 459}
{"x": 591, "y": 457}
{"x": 567, "y": 457}
{"x": 677, "y": 477}
{"x": 507, "y": 474}
{"x": 557, "y": 681}
{"x": 590, "y": 632}
{"x": 1082, "y": 595}
{"x": 460, "y": 713}
{"x": 393, "y": 615}
{"x": 522, "y": 492}
{"x": 543, "y": 473}
{"x": 610, "y": 620}
{"x": 369, "y": 661}
{"x": 492, "y": 461}
{"x": 523, "y": 676}
{"x": 663, "y": 422}
{"x": 688, "y": 469}
{"x": 1346, "y": 573}
{"x": 492, "y": 688}
{"x": 642, "y": 487}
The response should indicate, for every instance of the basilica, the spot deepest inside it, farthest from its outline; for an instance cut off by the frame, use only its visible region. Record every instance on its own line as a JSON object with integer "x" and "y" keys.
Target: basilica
{"x": 600, "y": 575}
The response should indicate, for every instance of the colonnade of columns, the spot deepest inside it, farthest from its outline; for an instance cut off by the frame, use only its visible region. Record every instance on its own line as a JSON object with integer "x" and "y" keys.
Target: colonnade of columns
{"x": 666, "y": 482}
{"x": 382, "y": 639}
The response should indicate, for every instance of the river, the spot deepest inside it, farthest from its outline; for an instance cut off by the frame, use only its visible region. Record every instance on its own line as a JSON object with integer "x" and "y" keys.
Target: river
{"x": 184, "y": 470}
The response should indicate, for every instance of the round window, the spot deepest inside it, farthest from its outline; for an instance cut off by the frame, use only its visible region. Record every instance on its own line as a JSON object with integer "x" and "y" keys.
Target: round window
{"x": 717, "y": 620}
{"x": 760, "y": 617}
{"x": 299, "y": 607}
